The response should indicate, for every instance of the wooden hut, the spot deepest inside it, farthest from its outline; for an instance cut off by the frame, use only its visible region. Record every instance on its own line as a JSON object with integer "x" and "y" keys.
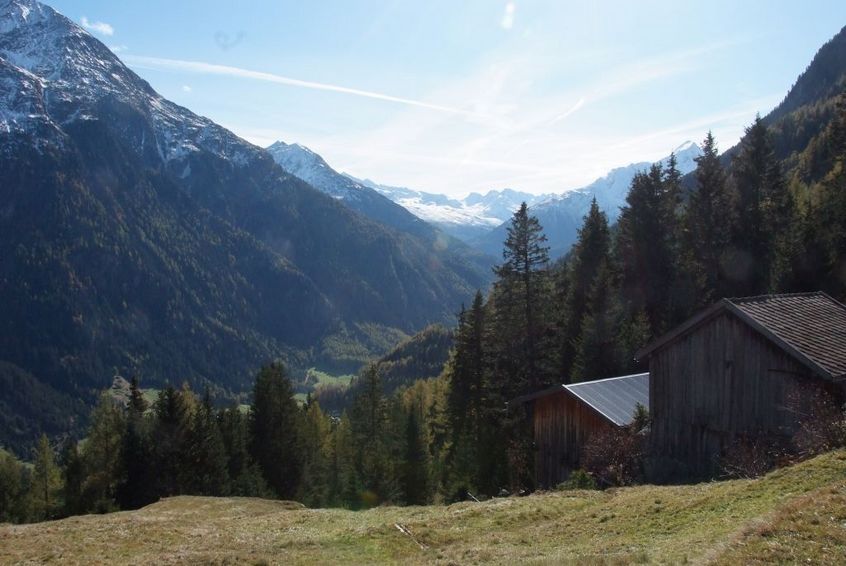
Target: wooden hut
{"x": 734, "y": 370}
{"x": 564, "y": 416}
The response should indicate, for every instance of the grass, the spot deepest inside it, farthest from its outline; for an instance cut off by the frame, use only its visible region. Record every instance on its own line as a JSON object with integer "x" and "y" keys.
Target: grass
{"x": 796, "y": 514}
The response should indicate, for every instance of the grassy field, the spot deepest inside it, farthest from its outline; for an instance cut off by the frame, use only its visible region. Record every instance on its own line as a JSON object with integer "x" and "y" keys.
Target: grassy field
{"x": 793, "y": 515}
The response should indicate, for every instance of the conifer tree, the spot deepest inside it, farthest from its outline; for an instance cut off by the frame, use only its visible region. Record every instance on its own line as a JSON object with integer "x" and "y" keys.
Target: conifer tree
{"x": 46, "y": 481}
{"x": 415, "y": 465}
{"x": 73, "y": 475}
{"x": 597, "y": 349}
{"x": 643, "y": 247}
{"x": 521, "y": 288}
{"x": 765, "y": 214}
{"x": 275, "y": 431}
{"x": 589, "y": 251}
{"x": 170, "y": 440}
{"x": 208, "y": 472}
{"x": 314, "y": 490}
{"x": 101, "y": 455}
{"x": 708, "y": 223}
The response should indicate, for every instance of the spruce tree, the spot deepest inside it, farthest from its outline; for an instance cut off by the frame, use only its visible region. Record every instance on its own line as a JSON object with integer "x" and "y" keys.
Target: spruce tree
{"x": 101, "y": 455}
{"x": 589, "y": 251}
{"x": 208, "y": 472}
{"x": 415, "y": 464}
{"x": 46, "y": 481}
{"x": 597, "y": 349}
{"x": 707, "y": 227}
{"x": 170, "y": 440}
{"x": 522, "y": 290}
{"x": 275, "y": 431}
{"x": 314, "y": 490}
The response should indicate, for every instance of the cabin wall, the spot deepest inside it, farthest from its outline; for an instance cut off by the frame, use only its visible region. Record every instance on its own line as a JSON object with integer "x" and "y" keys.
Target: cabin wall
{"x": 720, "y": 380}
{"x": 562, "y": 425}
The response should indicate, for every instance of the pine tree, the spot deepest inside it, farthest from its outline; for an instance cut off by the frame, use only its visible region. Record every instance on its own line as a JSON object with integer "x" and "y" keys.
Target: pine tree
{"x": 415, "y": 465}
{"x": 522, "y": 288}
{"x": 369, "y": 424}
{"x": 73, "y": 475}
{"x": 597, "y": 348}
{"x": 765, "y": 214}
{"x": 46, "y": 481}
{"x": 208, "y": 472}
{"x": 245, "y": 478}
{"x": 314, "y": 490}
{"x": 589, "y": 251}
{"x": 707, "y": 227}
{"x": 101, "y": 455}
{"x": 13, "y": 499}
{"x": 643, "y": 247}
{"x": 170, "y": 440}
{"x": 275, "y": 431}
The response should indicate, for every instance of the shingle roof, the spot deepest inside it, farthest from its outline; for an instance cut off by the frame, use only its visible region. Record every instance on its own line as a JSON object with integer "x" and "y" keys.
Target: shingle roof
{"x": 614, "y": 398}
{"x": 809, "y": 326}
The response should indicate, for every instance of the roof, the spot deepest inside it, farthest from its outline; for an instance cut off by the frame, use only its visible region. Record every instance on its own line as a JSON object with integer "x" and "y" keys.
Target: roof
{"x": 811, "y": 327}
{"x": 614, "y": 398}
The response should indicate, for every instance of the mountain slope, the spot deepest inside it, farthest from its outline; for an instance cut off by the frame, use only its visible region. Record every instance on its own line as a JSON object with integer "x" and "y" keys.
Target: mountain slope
{"x": 561, "y": 216}
{"x": 364, "y": 199}
{"x": 138, "y": 237}
{"x": 792, "y": 515}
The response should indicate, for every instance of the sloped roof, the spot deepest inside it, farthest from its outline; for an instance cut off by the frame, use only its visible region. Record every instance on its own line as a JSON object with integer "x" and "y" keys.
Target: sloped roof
{"x": 615, "y": 398}
{"x": 811, "y": 327}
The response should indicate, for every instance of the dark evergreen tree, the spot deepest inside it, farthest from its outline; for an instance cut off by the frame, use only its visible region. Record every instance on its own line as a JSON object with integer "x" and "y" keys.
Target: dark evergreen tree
{"x": 73, "y": 475}
{"x": 46, "y": 482}
{"x": 415, "y": 465}
{"x": 644, "y": 248}
{"x": 522, "y": 289}
{"x": 763, "y": 233}
{"x": 707, "y": 229}
{"x": 170, "y": 440}
{"x": 589, "y": 251}
{"x": 275, "y": 431}
{"x": 207, "y": 464}
{"x": 598, "y": 353}
{"x": 245, "y": 479}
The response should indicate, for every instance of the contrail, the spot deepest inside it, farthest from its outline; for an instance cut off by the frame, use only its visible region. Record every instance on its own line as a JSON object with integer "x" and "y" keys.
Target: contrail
{"x": 157, "y": 63}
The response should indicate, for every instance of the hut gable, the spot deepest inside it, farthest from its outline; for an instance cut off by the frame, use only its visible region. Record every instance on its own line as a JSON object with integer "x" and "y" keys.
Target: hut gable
{"x": 810, "y": 327}
{"x": 730, "y": 371}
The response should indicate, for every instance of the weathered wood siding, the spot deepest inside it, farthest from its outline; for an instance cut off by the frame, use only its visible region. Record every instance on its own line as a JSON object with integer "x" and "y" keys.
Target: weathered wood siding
{"x": 562, "y": 425}
{"x": 720, "y": 380}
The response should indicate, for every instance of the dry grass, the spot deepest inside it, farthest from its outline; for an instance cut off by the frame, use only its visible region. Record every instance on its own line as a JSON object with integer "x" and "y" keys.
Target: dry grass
{"x": 794, "y": 514}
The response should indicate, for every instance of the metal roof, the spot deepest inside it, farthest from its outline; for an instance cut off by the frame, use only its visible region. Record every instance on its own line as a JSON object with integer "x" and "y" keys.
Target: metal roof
{"x": 809, "y": 326}
{"x": 614, "y": 398}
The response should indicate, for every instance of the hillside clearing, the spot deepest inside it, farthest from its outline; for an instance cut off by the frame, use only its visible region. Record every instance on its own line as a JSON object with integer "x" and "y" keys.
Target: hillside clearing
{"x": 793, "y": 514}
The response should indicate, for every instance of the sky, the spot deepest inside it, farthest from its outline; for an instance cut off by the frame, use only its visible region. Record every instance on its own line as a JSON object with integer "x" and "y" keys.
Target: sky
{"x": 466, "y": 96}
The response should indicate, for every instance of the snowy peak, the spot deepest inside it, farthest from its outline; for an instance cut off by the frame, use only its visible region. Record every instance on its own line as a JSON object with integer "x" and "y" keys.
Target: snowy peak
{"x": 302, "y": 162}
{"x": 54, "y": 64}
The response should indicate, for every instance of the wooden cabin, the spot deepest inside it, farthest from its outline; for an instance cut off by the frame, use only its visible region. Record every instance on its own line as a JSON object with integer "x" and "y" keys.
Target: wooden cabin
{"x": 734, "y": 370}
{"x": 564, "y": 416}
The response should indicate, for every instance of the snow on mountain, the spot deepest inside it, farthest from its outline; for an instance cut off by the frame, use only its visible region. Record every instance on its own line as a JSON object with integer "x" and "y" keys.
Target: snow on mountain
{"x": 466, "y": 219}
{"x": 67, "y": 76}
{"x": 561, "y": 216}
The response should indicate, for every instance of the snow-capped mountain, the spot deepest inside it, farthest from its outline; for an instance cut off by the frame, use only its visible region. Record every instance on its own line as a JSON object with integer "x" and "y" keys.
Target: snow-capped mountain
{"x": 561, "y": 216}
{"x": 303, "y": 163}
{"x": 137, "y": 236}
{"x": 468, "y": 218}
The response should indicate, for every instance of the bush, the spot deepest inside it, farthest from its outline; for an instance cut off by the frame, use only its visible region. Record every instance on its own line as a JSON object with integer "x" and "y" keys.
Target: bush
{"x": 579, "y": 479}
{"x": 753, "y": 455}
{"x": 614, "y": 456}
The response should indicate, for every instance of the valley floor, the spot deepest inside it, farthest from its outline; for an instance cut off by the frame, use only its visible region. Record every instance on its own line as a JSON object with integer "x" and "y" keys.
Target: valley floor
{"x": 796, "y": 514}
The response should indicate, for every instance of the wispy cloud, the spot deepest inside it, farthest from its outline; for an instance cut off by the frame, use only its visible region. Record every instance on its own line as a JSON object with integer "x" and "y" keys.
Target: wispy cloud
{"x": 118, "y": 48}
{"x": 200, "y": 67}
{"x": 568, "y": 113}
{"x": 508, "y": 17}
{"x": 186, "y": 88}
{"x": 97, "y": 27}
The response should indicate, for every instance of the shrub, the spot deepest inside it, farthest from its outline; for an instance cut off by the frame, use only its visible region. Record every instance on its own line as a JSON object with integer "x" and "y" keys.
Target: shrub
{"x": 614, "y": 456}
{"x": 579, "y": 479}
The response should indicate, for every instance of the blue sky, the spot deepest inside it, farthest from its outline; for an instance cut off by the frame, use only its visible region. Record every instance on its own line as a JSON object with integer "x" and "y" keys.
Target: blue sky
{"x": 461, "y": 96}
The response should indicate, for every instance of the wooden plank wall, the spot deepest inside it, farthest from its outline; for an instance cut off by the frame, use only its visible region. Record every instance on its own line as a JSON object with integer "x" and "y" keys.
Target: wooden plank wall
{"x": 562, "y": 424}
{"x": 718, "y": 381}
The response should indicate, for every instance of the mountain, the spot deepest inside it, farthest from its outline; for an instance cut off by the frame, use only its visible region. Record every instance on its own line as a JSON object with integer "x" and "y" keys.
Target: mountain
{"x": 372, "y": 203}
{"x": 466, "y": 219}
{"x": 561, "y": 216}
{"x": 139, "y": 238}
